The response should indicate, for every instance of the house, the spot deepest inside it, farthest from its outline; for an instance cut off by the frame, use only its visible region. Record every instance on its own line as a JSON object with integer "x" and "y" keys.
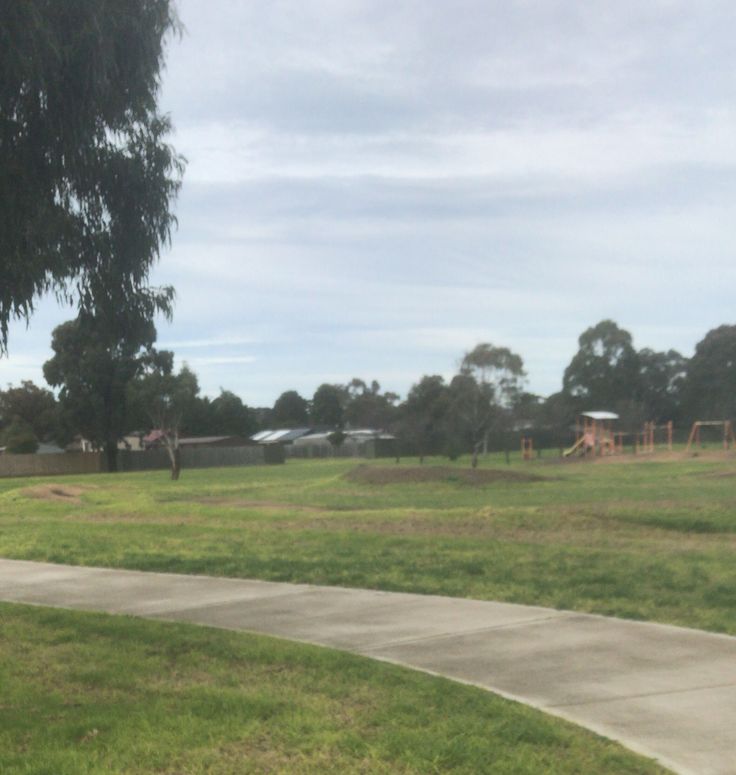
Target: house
{"x": 155, "y": 439}
{"x": 80, "y": 444}
{"x": 283, "y": 436}
{"x": 132, "y": 441}
{"x": 213, "y": 441}
{"x": 361, "y": 442}
{"x": 48, "y": 448}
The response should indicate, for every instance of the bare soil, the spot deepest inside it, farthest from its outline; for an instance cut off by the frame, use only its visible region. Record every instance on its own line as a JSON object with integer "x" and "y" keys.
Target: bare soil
{"x": 365, "y": 474}
{"x": 62, "y": 493}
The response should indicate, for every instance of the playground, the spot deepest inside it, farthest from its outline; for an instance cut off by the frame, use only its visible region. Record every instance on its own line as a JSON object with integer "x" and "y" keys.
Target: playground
{"x": 596, "y": 435}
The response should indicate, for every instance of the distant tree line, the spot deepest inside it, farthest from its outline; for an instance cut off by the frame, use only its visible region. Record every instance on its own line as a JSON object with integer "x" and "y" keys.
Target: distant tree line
{"x": 88, "y": 198}
{"x": 109, "y": 385}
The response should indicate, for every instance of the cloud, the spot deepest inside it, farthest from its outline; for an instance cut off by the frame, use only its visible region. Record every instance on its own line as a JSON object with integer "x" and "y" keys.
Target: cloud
{"x": 375, "y": 186}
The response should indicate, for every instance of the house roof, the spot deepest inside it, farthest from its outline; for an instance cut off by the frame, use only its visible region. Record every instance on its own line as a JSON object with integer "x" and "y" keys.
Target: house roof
{"x": 600, "y": 415}
{"x": 190, "y": 440}
{"x": 260, "y": 435}
{"x": 283, "y": 435}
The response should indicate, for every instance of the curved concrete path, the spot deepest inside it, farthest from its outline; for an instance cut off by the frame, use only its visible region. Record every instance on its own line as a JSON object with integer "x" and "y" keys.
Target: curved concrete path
{"x": 667, "y": 692}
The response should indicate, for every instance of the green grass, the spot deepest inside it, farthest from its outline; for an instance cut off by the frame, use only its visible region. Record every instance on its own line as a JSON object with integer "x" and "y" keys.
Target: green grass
{"x": 639, "y": 539}
{"x": 87, "y": 693}
{"x": 82, "y": 693}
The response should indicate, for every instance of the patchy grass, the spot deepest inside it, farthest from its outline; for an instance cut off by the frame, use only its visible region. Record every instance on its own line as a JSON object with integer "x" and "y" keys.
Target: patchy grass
{"x": 646, "y": 539}
{"x": 377, "y": 474}
{"x": 82, "y": 694}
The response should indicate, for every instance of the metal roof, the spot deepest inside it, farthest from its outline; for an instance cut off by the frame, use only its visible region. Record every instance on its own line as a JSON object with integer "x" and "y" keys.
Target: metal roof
{"x": 600, "y": 415}
{"x": 295, "y": 433}
{"x": 190, "y": 440}
{"x": 283, "y": 435}
{"x": 260, "y": 435}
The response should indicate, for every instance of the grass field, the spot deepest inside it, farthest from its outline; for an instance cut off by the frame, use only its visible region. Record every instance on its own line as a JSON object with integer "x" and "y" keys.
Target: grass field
{"x": 84, "y": 693}
{"x": 648, "y": 540}
{"x": 81, "y": 693}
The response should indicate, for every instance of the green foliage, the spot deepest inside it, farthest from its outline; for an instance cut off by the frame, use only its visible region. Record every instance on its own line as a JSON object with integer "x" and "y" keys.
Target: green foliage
{"x": 368, "y": 407}
{"x": 608, "y": 373}
{"x": 425, "y": 416}
{"x": 96, "y": 358}
{"x": 327, "y": 408}
{"x": 336, "y": 438}
{"x": 86, "y": 176}
{"x": 18, "y": 438}
{"x": 166, "y": 398}
{"x": 35, "y": 406}
{"x": 605, "y": 370}
{"x": 230, "y": 416}
{"x": 482, "y": 396}
{"x": 496, "y": 367}
{"x": 662, "y": 379}
{"x": 290, "y": 411}
{"x": 710, "y": 385}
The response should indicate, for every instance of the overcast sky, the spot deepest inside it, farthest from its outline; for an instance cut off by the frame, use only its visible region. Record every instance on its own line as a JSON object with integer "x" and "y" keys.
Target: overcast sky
{"x": 375, "y": 187}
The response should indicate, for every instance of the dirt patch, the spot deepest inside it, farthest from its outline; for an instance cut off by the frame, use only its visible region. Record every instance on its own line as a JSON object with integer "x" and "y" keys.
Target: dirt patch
{"x": 417, "y": 474}
{"x": 723, "y": 474}
{"x": 142, "y": 518}
{"x": 62, "y": 493}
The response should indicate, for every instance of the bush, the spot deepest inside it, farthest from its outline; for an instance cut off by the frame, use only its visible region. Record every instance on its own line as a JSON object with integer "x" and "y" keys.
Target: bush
{"x": 19, "y": 439}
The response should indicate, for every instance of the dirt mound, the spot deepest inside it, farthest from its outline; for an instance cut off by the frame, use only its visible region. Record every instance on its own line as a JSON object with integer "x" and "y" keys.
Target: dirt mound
{"x": 54, "y": 492}
{"x": 403, "y": 475}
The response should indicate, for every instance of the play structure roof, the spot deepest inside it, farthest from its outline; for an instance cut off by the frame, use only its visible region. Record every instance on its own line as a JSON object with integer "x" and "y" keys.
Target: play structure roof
{"x": 601, "y": 415}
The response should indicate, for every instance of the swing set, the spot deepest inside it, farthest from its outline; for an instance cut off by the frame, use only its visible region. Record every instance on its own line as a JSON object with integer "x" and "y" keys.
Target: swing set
{"x": 728, "y": 436}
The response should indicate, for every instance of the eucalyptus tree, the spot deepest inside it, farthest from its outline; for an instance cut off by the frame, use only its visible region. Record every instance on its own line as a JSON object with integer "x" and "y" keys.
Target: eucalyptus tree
{"x": 34, "y": 406}
{"x": 87, "y": 178}
{"x": 290, "y": 410}
{"x": 709, "y": 389}
{"x": 483, "y": 394}
{"x": 328, "y": 406}
{"x": 605, "y": 370}
{"x": 166, "y": 398}
{"x": 424, "y": 416}
{"x": 96, "y": 359}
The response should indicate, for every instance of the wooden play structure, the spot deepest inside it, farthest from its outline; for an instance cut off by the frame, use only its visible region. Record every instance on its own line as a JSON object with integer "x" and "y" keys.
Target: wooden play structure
{"x": 728, "y": 436}
{"x": 647, "y": 439}
{"x": 594, "y": 435}
{"x": 527, "y": 447}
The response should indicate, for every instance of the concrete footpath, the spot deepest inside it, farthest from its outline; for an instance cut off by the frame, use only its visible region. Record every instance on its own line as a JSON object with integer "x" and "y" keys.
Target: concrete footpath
{"x": 667, "y": 692}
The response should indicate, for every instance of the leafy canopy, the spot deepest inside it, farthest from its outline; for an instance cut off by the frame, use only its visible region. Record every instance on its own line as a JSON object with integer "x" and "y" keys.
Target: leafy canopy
{"x": 96, "y": 358}
{"x": 86, "y": 175}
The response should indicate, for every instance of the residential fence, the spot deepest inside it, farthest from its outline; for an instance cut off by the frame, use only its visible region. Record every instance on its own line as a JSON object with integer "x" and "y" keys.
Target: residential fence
{"x": 371, "y": 448}
{"x": 66, "y": 463}
{"x": 59, "y": 464}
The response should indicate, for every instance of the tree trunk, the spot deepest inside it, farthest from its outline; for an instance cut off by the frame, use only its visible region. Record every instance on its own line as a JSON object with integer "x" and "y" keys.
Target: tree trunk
{"x": 175, "y": 458}
{"x": 474, "y": 461}
{"x": 111, "y": 454}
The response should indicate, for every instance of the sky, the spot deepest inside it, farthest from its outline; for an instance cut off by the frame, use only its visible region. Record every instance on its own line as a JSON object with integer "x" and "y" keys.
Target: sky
{"x": 375, "y": 187}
